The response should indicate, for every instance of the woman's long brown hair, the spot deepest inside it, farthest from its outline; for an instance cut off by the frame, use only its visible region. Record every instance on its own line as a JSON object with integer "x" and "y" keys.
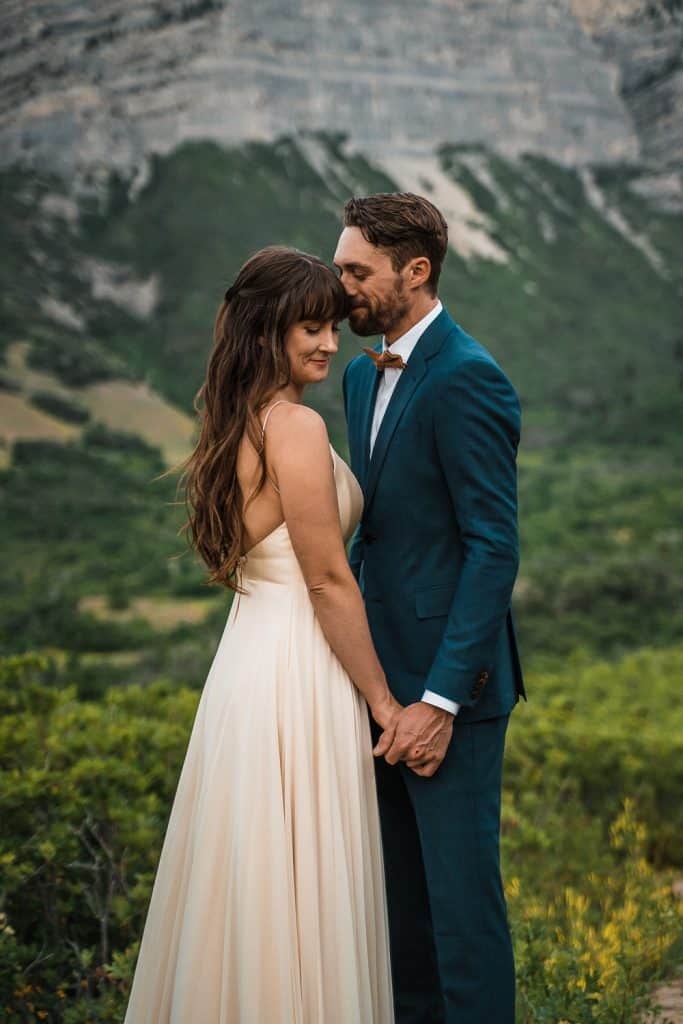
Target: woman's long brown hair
{"x": 275, "y": 289}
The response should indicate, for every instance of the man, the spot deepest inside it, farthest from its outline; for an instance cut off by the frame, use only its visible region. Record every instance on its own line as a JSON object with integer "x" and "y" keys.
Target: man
{"x": 433, "y": 432}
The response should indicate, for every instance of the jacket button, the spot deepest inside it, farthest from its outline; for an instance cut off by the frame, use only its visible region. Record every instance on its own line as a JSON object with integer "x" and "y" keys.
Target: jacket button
{"x": 483, "y": 677}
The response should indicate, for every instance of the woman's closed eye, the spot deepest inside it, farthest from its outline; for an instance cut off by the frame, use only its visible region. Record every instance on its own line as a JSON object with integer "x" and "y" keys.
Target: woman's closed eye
{"x": 314, "y": 330}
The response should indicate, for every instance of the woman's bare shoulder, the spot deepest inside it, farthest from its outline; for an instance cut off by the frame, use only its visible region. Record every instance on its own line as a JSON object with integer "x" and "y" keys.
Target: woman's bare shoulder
{"x": 297, "y": 424}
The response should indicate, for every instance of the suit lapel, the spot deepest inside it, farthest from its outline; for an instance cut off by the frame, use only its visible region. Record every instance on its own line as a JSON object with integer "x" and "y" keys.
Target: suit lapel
{"x": 416, "y": 368}
{"x": 369, "y": 386}
{"x": 403, "y": 392}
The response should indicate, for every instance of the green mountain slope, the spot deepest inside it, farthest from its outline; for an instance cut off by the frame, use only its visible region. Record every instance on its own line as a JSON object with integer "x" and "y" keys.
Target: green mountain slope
{"x": 582, "y": 313}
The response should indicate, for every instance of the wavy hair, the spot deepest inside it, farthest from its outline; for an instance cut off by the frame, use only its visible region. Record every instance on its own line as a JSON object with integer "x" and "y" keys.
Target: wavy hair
{"x": 275, "y": 289}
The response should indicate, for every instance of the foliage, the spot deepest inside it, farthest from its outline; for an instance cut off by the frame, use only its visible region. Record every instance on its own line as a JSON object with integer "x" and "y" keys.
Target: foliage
{"x": 58, "y": 405}
{"x": 597, "y": 732}
{"x": 79, "y": 518}
{"x": 84, "y": 792}
{"x": 86, "y": 787}
{"x": 591, "y": 951}
{"x": 76, "y": 361}
{"x": 602, "y": 549}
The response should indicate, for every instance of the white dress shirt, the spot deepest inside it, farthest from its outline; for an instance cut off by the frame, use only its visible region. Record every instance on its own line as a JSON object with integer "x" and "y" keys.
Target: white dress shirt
{"x": 403, "y": 347}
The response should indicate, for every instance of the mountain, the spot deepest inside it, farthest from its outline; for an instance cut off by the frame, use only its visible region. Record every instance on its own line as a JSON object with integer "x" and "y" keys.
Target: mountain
{"x": 643, "y": 40}
{"x": 147, "y": 148}
{"x": 90, "y": 88}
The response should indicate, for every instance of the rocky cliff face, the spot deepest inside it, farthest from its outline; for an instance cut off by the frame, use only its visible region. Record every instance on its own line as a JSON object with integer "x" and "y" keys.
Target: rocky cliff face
{"x": 91, "y": 87}
{"x": 644, "y": 39}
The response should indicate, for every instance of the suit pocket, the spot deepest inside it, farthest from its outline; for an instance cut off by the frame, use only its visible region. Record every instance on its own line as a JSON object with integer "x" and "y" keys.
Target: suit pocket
{"x": 434, "y": 602}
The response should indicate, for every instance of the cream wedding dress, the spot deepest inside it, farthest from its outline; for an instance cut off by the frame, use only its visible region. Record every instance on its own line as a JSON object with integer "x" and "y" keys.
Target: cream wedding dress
{"x": 269, "y": 905}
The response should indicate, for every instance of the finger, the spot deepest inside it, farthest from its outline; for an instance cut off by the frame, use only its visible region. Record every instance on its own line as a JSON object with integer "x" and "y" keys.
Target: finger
{"x": 404, "y": 744}
{"x": 417, "y": 755}
{"x": 398, "y": 750}
{"x": 384, "y": 742}
{"x": 427, "y": 767}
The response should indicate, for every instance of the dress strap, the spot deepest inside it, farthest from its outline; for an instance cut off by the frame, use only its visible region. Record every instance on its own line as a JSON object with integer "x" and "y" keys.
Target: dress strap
{"x": 281, "y": 401}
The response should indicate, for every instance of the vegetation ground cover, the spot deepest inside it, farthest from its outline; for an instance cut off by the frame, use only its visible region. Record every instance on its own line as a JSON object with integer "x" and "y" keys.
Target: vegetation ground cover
{"x": 86, "y": 787}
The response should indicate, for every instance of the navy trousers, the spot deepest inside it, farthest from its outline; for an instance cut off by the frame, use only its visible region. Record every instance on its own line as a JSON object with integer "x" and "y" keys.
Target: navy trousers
{"x": 451, "y": 952}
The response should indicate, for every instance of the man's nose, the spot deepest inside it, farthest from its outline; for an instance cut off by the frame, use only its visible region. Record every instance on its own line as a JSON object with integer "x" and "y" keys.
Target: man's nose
{"x": 347, "y": 285}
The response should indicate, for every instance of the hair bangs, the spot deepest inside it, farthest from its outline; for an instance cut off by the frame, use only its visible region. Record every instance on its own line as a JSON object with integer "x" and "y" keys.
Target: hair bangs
{"x": 321, "y": 297}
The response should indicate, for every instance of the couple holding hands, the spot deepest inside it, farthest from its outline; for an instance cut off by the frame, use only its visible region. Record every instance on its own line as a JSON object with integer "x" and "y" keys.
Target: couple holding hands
{"x": 332, "y": 855}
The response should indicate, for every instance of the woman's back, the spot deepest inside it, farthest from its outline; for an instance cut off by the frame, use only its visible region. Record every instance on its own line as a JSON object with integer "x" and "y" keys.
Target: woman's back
{"x": 264, "y": 513}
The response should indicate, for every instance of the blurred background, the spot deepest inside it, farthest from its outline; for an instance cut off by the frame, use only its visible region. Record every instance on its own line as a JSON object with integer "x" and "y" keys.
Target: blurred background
{"x": 147, "y": 147}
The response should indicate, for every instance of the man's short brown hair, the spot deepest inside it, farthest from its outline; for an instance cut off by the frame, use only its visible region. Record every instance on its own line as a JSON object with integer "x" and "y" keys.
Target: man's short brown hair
{"x": 405, "y": 225}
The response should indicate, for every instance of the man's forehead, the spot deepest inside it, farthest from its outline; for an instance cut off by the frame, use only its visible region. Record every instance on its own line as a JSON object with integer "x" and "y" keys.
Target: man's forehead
{"x": 353, "y": 247}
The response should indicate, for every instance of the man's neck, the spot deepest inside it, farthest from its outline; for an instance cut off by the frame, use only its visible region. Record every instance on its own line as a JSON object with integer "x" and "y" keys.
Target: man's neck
{"x": 412, "y": 317}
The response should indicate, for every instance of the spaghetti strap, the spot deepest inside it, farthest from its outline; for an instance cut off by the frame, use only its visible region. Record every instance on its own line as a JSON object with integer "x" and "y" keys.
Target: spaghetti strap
{"x": 281, "y": 401}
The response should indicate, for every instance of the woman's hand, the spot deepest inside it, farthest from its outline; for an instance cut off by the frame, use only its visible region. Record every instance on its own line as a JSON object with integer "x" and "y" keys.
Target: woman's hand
{"x": 386, "y": 713}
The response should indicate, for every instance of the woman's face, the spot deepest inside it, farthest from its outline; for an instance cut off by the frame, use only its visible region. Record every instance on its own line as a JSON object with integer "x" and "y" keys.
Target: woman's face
{"x": 310, "y": 346}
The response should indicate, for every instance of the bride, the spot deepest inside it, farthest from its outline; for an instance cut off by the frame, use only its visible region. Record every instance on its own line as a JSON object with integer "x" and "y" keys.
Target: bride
{"x": 268, "y": 905}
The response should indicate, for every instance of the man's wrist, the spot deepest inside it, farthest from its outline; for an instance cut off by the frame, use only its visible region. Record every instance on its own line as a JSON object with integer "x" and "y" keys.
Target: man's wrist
{"x": 437, "y": 701}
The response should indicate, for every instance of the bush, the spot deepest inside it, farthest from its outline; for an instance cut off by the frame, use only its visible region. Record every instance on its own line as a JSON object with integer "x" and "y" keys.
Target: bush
{"x": 86, "y": 788}
{"x": 592, "y": 951}
{"x": 75, "y": 360}
{"x": 84, "y": 794}
{"x": 59, "y": 406}
{"x": 603, "y": 731}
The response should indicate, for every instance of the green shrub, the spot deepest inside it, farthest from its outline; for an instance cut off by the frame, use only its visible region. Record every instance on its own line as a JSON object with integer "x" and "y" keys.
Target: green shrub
{"x": 86, "y": 788}
{"x": 591, "y": 951}
{"x": 77, "y": 361}
{"x": 59, "y": 406}
{"x": 84, "y": 794}
{"x": 604, "y": 731}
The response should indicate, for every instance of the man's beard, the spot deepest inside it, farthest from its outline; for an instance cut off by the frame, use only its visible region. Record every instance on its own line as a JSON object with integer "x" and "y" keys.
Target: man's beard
{"x": 366, "y": 322}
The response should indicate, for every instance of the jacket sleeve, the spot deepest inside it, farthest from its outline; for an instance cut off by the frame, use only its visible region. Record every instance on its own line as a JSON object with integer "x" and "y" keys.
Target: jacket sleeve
{"x": 355, "y": 551}
{"x": 477, "y": 427}
{"x": 356, "y": 554}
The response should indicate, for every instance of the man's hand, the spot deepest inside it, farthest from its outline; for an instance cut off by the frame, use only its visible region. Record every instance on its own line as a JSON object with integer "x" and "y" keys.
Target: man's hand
{"x": 421, "y": 738}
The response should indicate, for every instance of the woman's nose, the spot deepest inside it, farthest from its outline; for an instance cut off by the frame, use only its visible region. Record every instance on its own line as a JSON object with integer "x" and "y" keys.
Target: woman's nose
{"x": 329, "y": 342}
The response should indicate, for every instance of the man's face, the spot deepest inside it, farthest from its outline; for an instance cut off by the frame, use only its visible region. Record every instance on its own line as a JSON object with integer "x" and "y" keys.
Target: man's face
{"x": 378, "y": 296}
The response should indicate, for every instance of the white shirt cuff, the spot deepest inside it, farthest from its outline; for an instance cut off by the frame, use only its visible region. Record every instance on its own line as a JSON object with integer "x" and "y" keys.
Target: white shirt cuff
{"x": 441, "y": 702}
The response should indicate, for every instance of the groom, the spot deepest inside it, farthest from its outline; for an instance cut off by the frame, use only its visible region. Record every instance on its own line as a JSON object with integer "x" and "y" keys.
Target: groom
{"x": 433, "y": 432}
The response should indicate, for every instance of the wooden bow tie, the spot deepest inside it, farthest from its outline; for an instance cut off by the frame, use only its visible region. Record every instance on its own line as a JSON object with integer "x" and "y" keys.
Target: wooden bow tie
{"x": 385, "y": 360}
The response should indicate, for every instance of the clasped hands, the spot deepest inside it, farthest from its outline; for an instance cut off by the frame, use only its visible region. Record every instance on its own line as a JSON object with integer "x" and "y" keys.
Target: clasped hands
{"x": 417, "y": 734}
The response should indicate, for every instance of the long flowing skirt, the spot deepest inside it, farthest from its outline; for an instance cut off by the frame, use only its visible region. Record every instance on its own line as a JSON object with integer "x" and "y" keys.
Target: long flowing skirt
{"x": 269, "y": 904}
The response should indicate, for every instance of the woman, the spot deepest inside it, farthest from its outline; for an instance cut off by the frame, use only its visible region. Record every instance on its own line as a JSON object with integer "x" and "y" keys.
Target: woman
{"x": 268, "y": 905}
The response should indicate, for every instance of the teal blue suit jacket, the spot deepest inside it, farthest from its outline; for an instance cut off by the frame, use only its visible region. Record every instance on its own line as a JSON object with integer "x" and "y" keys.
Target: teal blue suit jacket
{"x": 436, "y": 551}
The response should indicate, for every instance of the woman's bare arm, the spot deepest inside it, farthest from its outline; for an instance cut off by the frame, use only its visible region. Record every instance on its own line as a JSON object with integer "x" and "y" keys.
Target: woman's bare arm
{"x": 299, "y": 457}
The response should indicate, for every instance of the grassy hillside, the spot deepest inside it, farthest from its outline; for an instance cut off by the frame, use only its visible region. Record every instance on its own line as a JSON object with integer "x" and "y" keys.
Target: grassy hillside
{"x": 583, "y": 315}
